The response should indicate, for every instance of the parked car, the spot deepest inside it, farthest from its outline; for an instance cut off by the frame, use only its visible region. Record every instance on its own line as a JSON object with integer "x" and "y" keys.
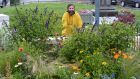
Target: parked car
{"x": 135, "y": 3}
{"x": 92, "y": 1}
{"x": 113, "y": 2}
{"x": 3, "y": 3}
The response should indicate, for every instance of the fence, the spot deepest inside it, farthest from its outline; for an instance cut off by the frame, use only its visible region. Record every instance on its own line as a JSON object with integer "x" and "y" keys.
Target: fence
{"x": 137, "y": 38}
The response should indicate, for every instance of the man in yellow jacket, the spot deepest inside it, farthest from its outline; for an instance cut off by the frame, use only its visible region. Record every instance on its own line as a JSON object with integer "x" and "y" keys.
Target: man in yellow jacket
{"x": 71, "y": 21}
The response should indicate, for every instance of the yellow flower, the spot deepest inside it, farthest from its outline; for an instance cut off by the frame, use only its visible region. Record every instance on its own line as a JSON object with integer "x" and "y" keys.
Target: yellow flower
{"x": 81, "y": 51}
{"x": 104, "y": 63}
{"x": 74, "y": 67}
{"x": 114, "y": 52}
{"x": 81, "y": 61}
{"x": 130, "y": 57}
{"x": 113, "y": 49}
{"x": 87, "y": 56}
{"x": 88, "y": 74}
{"x": 120, "y": 52}
{"x": 94, "y": 53}
{"x": 97, "y": 53}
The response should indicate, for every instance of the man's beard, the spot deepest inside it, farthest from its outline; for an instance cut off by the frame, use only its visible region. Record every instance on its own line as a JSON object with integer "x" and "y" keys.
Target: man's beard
{"x": 71, "y": 12}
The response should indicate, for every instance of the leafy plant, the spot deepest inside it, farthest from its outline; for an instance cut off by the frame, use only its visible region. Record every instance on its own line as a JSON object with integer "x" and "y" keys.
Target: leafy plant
{"x": 102, "y": 52}
{"x": 107, "y": 37}
{"x": 34, "y": 25}
{"x": 5, "y": 57}
{"x": 97, "y": 65}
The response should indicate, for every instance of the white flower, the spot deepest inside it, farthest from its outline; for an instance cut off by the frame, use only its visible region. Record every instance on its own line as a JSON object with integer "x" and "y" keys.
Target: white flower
{"x": 75, "y": 73}
{"x": 61, "y": 66}
{"x": 20, "y": 63}
{"x": 16, "y": 65}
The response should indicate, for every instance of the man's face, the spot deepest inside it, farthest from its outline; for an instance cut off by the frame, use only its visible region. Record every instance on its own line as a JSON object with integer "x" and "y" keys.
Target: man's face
{"x": 71, "y": 10}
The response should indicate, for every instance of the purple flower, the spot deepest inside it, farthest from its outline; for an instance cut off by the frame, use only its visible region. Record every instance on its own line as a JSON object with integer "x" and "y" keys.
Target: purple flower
{"x": 36, "y": 9}
{"x": 47, "y": 23}
{"x": 113, "y": 75}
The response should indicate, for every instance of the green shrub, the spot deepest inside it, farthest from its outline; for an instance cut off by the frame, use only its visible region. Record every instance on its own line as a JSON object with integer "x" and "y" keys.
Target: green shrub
{"x": 118, "y": 35}
{"x": 102, "y": 52}
{"x": 34, "y": 25}
{"x": 96, "y": 65}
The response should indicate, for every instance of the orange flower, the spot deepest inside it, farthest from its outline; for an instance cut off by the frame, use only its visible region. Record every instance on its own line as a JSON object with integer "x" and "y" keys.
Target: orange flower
{"x": 116, "y": 56}
{"x": 20, "y": 49}
{"x": 124, "y": 56}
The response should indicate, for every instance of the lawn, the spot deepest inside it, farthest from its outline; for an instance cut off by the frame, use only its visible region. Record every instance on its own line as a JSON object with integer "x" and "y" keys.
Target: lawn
{"x": 60, "y": 8}
{"x": 57, "y": 7}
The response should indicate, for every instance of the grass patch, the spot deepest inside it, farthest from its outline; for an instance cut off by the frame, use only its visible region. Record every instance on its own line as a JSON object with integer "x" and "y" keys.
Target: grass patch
{"x": 57, "y": 7}
{"x": 60, "y": 8}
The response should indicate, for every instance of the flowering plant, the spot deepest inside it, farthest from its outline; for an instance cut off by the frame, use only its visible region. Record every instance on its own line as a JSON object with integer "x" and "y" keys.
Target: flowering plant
{"x": 22, "y": 57}
{"x": 126, "y": 17}
{"x": 96, "y": 65}
{"x": 101, "y": 53}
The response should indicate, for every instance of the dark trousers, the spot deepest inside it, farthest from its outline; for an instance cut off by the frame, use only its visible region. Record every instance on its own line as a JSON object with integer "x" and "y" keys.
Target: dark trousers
{"x": 4, "y": 2}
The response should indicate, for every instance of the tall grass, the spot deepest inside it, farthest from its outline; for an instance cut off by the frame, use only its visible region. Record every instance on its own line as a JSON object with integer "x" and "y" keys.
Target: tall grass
{"x": 5, "y": 57}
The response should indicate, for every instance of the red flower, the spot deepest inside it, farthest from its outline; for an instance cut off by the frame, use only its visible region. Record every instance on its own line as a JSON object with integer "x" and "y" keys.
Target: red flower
{"x": 20, "y": 49}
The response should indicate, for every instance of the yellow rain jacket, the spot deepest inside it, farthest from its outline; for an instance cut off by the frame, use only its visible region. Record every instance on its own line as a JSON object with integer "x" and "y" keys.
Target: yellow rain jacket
{"x": 70, "y": 23}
